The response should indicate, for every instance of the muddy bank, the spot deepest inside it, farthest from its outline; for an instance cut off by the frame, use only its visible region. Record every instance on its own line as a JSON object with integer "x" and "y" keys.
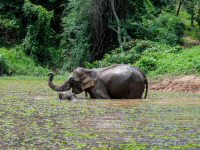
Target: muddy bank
{"x": 186, "y": 84}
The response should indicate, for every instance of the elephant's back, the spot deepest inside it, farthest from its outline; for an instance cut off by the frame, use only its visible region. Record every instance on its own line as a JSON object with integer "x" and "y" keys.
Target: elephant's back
{"x": 114, "y": 70}
{"x": 120, "y": 79}
{"x": 121, "y": 71}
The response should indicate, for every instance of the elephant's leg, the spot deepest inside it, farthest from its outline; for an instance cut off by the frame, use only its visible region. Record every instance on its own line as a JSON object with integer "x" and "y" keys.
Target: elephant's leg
{"x": 135, "y": 94}
{"x": 100, "y": 91}
{"x": 135, "y": 91}
{"x": 101, "y": 94}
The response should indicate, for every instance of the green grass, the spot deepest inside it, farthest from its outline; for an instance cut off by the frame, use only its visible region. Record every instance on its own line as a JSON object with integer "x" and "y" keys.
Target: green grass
{"x": 31, "y": 77}
{"x": 185, "y": 62}
{"x": 15, "y": 62}
{"x": 189, "y": 31}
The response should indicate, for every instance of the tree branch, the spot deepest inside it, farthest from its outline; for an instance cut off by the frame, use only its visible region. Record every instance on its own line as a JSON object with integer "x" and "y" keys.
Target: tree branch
{"x": 118, "y": 22}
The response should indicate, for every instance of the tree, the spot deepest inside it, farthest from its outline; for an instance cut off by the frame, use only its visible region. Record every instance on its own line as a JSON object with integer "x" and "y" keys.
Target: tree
{"x": 191, "y": 9}
{"x": 75, "y": 38}
{"x": 38, "y": 38}
{"x": 179, "y": 7}
{"x": 198, "y": 17}
{"x": 11, "y": 21}
{"x": 57, "y": 6}
{"x": 118, "y": 22}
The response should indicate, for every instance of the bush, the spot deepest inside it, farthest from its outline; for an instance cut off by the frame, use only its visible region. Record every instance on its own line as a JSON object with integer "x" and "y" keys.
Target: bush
{"x": 9, "y": 29}
{"x": 166, "y": 28}
{"x": 196, "y": 34}
{"x": 187, "y": 61}
{"x": 154, "y": 58}
{"x": 15, "y": 62}
{"x": 3, "y": 65}
{"x": 39, "y": 32}
{"x": 11, "y": 22}
{"x": 147, "y": 64}
{"x": 147, "y": 51}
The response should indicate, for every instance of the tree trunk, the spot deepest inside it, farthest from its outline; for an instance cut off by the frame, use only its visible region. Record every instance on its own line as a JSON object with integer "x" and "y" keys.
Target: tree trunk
{"x": 199, "y": 30}
{"x": 179, "y": 7}
{"x": 192, "y": 19}
{"x": 198, "y": 19}
{"x": 118, "y": 22}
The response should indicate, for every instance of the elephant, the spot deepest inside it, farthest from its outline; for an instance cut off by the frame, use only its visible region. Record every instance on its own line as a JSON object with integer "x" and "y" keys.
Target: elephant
{"x": 67, "y": 96}
{"x": 119, "y": 81}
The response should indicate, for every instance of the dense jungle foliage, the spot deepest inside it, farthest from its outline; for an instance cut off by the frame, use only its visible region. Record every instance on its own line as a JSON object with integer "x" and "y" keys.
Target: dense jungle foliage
{"x": 60, "y": 35}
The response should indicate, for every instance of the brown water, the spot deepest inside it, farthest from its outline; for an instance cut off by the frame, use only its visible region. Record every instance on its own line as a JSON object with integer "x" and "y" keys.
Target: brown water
{"x": 137, "y": 102}
{"x": 130, "y": 102}
{"x": 32, "y": 117}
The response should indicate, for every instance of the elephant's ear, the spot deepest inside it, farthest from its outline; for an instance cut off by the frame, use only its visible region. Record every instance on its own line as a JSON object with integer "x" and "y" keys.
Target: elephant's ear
{"x": 87, "y": 82}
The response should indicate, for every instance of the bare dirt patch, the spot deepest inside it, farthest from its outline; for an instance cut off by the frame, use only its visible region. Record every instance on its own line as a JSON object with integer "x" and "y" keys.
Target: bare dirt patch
{"x": 186, "y": 84}
{"x": 190, "y": 42}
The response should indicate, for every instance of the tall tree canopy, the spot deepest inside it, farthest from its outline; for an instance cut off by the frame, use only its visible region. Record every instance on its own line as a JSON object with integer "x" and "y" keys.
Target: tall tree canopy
{"x": 67, "y": 33}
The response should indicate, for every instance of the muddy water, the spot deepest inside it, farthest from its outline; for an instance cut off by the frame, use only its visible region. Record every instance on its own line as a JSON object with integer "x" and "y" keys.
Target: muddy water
{"x": 130, "y": 102}
{"x": 32, "y": 117}
{"x": 164, "y": 123}
{"x": 137, "y": 102}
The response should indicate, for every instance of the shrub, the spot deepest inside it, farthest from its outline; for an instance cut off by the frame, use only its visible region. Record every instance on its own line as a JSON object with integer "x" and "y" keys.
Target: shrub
{"x": 39, "y": 32}
{"x": 147, "y": 64}
{"x": 11, "y": 22}
{"x": 9, "y": 29}
{"x": 196, "y": 34}
{"x": 3, "y": 65}
{"x": 147, "y": 51}
{"x": 185, "y": 62}
{"x": 15, "y": 62}
{"x": 166, "y": 28}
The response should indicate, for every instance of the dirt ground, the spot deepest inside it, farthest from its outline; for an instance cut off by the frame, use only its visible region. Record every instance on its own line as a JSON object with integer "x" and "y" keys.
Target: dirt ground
{"x": 186, "y": 84}
{"x": 190, "y": 42}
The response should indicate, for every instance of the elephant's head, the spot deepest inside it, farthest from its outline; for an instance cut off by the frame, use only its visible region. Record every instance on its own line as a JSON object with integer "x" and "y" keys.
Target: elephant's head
{"x": 67, "y": 96}
{"x": 79, "y": 81}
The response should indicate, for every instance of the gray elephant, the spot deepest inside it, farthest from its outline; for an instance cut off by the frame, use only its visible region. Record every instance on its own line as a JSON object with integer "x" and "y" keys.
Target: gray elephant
{"x": 114, "y": 82}
{"x": 67, "y": 96}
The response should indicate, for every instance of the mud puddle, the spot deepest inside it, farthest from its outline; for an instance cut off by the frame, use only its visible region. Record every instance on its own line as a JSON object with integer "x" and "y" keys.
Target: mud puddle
{"x": 137, "y": 102}
{"x": 129, "y": 102}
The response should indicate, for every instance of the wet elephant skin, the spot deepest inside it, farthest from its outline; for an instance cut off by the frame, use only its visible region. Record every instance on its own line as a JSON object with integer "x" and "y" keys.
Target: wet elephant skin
{"x": 114, "y": 82}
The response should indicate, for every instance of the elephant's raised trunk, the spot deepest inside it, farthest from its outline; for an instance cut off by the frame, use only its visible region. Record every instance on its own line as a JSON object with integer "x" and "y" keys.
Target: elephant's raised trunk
{"x": 63, "y": 87}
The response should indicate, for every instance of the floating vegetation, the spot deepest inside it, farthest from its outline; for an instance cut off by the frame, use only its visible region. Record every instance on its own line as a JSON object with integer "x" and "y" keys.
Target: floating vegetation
{"x": 32, "y": 117}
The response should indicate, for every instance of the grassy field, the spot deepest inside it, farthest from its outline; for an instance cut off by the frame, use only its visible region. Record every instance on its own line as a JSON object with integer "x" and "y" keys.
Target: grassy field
{"x": 187, "y": 61}
{"x": 32, "y": 117}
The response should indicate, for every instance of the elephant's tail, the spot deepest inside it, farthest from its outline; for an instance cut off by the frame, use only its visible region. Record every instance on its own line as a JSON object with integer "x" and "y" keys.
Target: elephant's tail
{"x": 146, "y": 85}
